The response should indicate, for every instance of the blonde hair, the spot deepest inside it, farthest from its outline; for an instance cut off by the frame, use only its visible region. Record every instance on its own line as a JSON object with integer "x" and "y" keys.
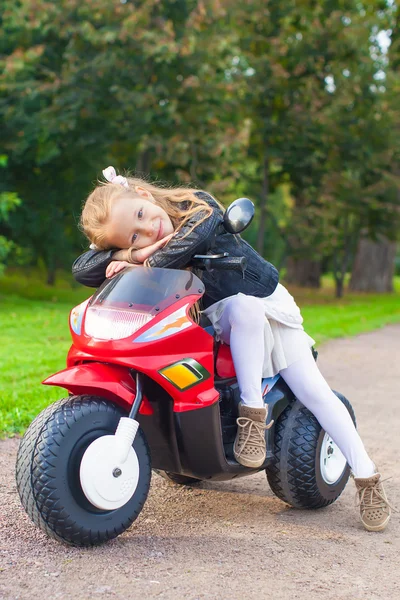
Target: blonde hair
{"x": 97, "y": 207}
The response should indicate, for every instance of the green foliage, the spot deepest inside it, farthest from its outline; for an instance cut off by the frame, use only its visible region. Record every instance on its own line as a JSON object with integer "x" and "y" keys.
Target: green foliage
{"x": 8, "y": 202}
{"x": 131, "y": 84}
{"x": 269, "y": 100}
{"x": 317, "y": 107}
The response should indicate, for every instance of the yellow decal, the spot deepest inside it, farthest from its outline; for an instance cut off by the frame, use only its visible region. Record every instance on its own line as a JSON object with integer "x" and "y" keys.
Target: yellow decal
{"x": 180, "y": 376}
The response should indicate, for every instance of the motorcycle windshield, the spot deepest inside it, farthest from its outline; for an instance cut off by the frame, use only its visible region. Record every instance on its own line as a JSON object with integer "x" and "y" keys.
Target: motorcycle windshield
{"x": 146, "y": 290}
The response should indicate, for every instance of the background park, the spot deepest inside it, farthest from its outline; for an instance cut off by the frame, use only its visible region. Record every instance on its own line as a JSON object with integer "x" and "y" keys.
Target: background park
{"x": 293, "y": 104}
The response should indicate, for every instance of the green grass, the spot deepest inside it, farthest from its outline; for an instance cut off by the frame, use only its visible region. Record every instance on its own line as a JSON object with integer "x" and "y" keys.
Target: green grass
{"x": 34, "y": 334}
{"x": 327, "y": 317}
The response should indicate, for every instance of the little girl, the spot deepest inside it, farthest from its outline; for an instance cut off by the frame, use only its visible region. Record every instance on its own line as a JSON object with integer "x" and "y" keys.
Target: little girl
{"x": 130, "y": 221}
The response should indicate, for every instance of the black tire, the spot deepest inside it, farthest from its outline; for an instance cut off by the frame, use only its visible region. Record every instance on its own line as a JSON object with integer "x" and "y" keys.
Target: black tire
{"x": 294, "y": 475}
{"x": 178, "y": 479}
{"x": 47, "y": 472}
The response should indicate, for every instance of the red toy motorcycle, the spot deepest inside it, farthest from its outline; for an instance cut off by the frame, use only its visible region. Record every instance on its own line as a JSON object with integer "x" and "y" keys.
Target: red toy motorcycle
{"x": 150, "y": 388}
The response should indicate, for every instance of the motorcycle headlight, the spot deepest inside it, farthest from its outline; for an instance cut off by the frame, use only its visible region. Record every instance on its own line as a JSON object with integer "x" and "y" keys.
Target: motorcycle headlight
{"x": 106, "y": 323}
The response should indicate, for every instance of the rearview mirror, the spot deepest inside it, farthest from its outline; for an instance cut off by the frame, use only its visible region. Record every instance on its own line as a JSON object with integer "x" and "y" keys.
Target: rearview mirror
{"x": 238, "y": 215}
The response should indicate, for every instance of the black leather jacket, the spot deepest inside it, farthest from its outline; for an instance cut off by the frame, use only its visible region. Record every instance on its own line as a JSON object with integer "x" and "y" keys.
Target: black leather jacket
{"x": 260, "y": 277}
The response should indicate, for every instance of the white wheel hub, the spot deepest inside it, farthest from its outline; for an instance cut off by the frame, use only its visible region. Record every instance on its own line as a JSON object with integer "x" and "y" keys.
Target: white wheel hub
{"x": 332, "y": 461}
{"x": 109, "y": 472}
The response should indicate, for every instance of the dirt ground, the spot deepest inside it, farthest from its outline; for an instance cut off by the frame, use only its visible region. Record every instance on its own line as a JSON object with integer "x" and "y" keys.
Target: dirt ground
{"x": 232, "y": 540}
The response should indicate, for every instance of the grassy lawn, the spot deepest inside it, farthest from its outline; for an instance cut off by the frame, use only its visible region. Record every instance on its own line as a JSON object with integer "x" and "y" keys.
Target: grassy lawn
{"x": 326, "y": 317}
{"x": 34, "y": 335}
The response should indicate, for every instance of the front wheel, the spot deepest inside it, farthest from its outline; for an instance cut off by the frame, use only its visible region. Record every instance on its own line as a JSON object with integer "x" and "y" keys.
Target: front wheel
{"x": 48, "y": 472}
{"x": 308, "y": 470}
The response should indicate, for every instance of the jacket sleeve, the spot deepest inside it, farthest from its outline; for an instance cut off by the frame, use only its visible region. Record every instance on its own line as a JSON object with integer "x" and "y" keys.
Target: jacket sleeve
{"x": 189, "y": 240}
{"x": 90, "y": 268}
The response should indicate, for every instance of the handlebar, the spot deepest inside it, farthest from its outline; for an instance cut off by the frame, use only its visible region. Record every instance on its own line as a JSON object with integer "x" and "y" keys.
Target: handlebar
{"x": 220, "y": 262}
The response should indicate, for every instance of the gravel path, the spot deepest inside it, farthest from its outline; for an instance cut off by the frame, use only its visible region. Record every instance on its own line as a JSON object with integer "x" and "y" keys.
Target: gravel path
{"x": 232, "y": 540}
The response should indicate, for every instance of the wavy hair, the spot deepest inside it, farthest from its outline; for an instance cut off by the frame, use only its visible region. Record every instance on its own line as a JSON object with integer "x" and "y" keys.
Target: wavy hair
{"x": 180, "y": 204}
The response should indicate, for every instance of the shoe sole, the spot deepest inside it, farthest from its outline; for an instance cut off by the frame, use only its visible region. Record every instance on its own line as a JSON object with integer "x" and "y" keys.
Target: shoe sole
{"x": 249, "y": 463}
{"x": 380, "y": 527}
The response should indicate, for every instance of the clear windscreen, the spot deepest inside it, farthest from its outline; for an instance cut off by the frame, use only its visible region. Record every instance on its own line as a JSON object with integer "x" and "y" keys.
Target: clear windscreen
{"x": 146, "y": 290}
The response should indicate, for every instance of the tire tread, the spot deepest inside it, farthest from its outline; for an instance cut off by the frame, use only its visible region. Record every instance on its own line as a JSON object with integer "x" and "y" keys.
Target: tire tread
{"x": 291, "y": 473}
{"x": 36, "y": 487}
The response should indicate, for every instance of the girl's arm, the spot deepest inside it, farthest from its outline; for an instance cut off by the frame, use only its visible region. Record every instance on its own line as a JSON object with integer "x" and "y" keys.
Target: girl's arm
{"x": 188, "y": 241}
{"x": 90, "y": 268}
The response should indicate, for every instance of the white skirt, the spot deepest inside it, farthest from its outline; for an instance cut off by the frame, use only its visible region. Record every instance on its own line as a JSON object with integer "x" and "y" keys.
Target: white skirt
{"x": 285, "y": 340}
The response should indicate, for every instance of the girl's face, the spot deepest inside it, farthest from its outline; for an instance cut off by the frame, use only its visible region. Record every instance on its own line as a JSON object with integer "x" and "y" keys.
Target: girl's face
{"x": 137, "y": 221}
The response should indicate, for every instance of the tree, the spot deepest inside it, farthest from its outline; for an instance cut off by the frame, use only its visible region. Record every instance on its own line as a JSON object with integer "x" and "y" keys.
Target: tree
{"x": 87, "y": 84}
{"x": 314, "y": 107}
{"x": 8, "y": 202}
{"x": 374, "y": 263}
{"x": 374, "y": 266}
{"x": 270, "y": 100}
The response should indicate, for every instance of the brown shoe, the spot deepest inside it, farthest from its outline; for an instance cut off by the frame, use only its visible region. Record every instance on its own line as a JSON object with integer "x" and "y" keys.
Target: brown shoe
{"x": 249, "y": 447}
{"x": 375, "y": 510}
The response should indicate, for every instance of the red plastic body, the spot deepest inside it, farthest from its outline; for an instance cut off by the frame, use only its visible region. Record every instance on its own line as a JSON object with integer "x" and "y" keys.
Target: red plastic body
{"x": 102, "y": 367}
{"x": 224, "y": 365}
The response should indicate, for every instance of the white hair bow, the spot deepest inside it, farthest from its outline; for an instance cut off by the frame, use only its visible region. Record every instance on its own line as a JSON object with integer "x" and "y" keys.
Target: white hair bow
{"x": 111, "y": 176}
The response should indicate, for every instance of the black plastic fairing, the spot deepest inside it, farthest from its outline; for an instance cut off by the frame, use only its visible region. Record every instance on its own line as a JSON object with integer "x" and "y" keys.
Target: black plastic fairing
{"x": 199, "y": 443}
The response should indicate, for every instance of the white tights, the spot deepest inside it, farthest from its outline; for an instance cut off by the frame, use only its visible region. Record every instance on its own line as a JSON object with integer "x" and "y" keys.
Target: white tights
{"x": 243, "y": 330}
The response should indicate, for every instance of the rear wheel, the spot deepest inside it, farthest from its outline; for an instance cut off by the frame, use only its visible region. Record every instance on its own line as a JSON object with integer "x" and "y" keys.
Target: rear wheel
{"x": 48, "y": 471}
{"x": 308, "y": 469}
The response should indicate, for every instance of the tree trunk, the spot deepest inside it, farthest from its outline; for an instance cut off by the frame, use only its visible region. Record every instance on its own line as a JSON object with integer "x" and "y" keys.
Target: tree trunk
{"x": 51, "y": 275}
{"x": 339, "y": 289}
{"x": 143, "y": 163}
{"x": 263, "y": 213}
{"x": 374, "y": 266}
{"x": 303, "y": 272}
{"x": 343, "y": 254}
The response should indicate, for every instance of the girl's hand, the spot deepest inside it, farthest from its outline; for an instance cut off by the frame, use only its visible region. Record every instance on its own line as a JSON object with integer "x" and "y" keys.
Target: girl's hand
{"x": 142, "y": 254}
{"x": 116, "y": 266}
{"x": 122, "y": 255}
